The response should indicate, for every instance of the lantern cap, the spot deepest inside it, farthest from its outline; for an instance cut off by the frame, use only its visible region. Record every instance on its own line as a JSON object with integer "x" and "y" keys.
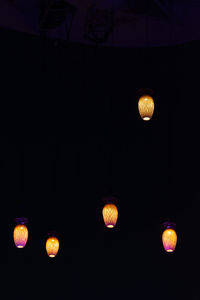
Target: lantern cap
{"x": 52, "y": 233}
{"x": 145, "y": 91}
{"x": 169, "y": 224}
{"x": 21, "y": 220}
{"x": 110, "y": 200}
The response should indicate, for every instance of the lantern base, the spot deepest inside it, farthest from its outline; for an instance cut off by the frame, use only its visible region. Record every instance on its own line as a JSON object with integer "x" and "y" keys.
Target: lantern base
{"x": 110, "y": 226}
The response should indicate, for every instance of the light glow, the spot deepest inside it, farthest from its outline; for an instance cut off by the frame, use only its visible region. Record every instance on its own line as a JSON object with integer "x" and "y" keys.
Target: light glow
{"x": 110, "y": 215}
{"x": 52, "y": 246}
{"x": 20, "y": 235}
{"x": 146, "y": 107}
{"x": 169, "y": 239}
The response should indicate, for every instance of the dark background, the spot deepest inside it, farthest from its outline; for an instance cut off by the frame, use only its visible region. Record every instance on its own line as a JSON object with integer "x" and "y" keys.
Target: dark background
{"x": 70, "y": 135}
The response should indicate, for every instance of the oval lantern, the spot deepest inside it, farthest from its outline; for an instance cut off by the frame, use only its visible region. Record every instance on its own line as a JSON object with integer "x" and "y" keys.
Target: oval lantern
{"x": 169, "y": 237}
{"x": 20, "y": 233}
{"x": 110, "y": 215}
{"x": 52, "y": 246}
{"x": 146, "y": 107}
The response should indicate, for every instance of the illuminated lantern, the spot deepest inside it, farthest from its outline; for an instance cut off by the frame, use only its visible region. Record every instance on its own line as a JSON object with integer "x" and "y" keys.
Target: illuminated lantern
{"x": 146, "y": 107}
{"x": 110, "y": 215}
{"x": 169, "y": 237}
{"x": 52, "y": 246}
{"x": 20, "y": 233}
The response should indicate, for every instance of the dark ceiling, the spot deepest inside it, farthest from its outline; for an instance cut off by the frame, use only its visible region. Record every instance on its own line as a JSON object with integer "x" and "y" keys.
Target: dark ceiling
{"x": 70, "y": 135}
{"x": 134, "y": 23}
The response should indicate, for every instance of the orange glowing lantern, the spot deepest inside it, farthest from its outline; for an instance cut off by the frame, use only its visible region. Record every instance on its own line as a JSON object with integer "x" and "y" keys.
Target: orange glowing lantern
{"x": 169, "y": 237}
{"x": 52, "y": 246}
{"x": 146, "y": 107}
{"x": 20, "y": 233}
{"x": 110, "y": 215}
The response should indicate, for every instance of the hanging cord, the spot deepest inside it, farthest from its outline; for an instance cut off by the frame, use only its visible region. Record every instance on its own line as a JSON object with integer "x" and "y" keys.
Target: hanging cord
{"x": 44, "y": 42}
{"x": 20, "y": 206}
{"x": 170, "y": 111}
{"x": 108, "y": 177}
{"x": 146, "y": 60}
{"x": 68, "y": 27}
{"x": 110, "y": 164}
{"x": 54, "y": 158}
{"x": 95, "y": 54}
{"x": 55, "y": 167}
{"x": 113, "y": 24}
{"x": 171, "y": 24}
{"x": 21, "y": 149}
{"x": 96, "y": 48}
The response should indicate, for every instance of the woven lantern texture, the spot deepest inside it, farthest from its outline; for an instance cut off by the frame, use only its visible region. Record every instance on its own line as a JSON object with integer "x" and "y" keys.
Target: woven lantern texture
{"x": 146, "y": 107}
{"x": 52, "y": 246}
{"x": 20, "y": 235}
{"x": 169, "y": 239}
{"x": 110, "y": 215}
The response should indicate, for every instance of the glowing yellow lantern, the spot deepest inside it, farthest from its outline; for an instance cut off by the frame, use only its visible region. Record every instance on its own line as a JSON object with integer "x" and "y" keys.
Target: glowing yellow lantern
{"x": 146, "y": 107}
{"x": 52, "y": 246}
{"x": 110, "y": 215}
{"x": 169, "y": 237}
{"x": 20, "y": 233}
